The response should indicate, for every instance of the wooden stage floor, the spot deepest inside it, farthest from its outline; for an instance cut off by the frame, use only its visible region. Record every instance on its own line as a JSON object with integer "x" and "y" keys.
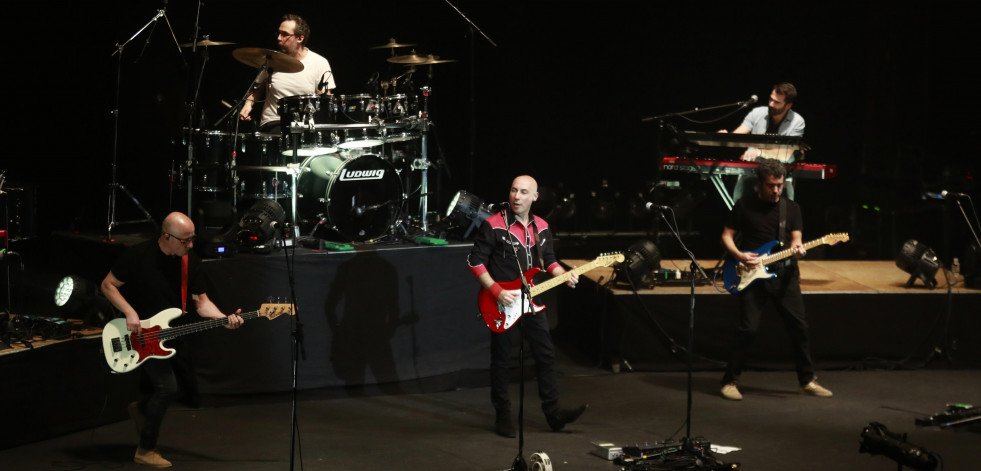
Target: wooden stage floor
{"x": 817, "y": 276}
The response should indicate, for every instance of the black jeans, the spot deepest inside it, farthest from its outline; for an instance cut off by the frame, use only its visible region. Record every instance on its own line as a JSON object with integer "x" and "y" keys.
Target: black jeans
{"x": 537, "y": 336}
{"x": 163, "y": 389}
{"x": 784, "y": 292}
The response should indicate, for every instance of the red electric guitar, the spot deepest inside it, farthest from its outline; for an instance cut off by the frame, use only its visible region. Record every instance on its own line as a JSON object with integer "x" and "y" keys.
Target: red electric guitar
{"x": 126, "y": 351}
{"x": 500, "y": 318}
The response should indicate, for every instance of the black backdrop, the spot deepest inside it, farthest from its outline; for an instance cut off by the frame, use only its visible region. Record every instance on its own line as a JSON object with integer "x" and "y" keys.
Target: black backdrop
{"x": 888, "y": 91}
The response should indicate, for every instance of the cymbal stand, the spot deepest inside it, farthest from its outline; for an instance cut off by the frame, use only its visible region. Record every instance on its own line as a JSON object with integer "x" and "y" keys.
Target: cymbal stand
{"x": 115, "y": 185}
{"x": 422, "y": 163}
{"x": 235, "y": 145}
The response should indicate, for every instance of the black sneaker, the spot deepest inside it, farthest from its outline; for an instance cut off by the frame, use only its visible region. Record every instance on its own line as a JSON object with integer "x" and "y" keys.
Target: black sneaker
{"x": 503, "y": 425}
{"x": 558, "y": 420}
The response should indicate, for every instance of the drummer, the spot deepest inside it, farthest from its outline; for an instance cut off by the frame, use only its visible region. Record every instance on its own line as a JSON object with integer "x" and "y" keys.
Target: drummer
{"x": 316, "y": 76}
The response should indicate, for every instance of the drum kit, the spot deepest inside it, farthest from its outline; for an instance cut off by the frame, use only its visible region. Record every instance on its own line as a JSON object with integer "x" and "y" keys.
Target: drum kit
{"x": 340, "y": 159}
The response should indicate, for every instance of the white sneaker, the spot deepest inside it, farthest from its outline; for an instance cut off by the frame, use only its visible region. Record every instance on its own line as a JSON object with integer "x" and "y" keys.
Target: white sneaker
{"x": 731, "y": 392}
{"x": 815, "y": 389}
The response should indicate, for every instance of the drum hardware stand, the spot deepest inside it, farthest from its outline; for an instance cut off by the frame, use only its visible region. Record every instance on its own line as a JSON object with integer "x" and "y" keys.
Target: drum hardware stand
{"x": 115, "y": 185}
{"x": 235, "y": 144}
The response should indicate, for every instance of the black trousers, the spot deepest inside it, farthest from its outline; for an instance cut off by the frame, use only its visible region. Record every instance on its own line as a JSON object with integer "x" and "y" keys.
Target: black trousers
{"x": 162, "y": 385}
{"x": 784, "y": 292}
{"x": 536, "y": 334}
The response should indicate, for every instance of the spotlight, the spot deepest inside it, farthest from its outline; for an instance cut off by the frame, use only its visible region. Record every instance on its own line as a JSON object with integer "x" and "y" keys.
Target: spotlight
{"x": 257, "y": 226}
{"x": 76, "y": 298}
{"x": 878, "y": 440}
{"x": 467, "y": 210}
{"x": 70, "y": 293}
{"x": 920, "y": 262}
{"x": 642, "y": 259}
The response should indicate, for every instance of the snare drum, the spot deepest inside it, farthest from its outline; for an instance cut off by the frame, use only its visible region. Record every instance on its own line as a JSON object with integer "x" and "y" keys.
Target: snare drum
{"x": 359, "y": 198}
{"x": 305, "y": 112}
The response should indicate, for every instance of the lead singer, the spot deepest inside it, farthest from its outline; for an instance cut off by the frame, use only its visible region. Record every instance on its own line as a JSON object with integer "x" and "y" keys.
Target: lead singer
{"x": 508, "y": 244}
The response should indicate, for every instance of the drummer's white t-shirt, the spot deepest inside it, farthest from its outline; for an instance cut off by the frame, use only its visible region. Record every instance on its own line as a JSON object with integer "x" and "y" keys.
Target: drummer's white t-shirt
{"x": 305, "y": 82}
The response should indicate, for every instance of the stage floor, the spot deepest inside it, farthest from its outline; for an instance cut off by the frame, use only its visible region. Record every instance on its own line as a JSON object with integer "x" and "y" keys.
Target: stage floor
{"x": 817, "y": 277}
{"x": 775, "y": 427}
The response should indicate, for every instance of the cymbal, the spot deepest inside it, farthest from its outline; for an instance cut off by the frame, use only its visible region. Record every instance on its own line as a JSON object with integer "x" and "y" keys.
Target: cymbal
{"x": 279, "y": 62}
{"x": 412, "y": 59}
{"x": 391, "y": 43}
{"x": 434, "y": 61}
{"x": 207, "y": 42}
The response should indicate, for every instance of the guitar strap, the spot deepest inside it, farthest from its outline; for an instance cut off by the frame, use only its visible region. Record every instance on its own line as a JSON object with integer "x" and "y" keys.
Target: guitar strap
{"x": 783, "y": 221}
{"x": 783, "y": 232}
{"x": 184, "y": 284}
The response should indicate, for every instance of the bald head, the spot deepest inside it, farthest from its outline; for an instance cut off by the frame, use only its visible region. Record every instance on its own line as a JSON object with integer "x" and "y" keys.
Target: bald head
{"x": 524, "y": 192}
{"x": 178, "y": 224}
{"x": 177, "y": 234}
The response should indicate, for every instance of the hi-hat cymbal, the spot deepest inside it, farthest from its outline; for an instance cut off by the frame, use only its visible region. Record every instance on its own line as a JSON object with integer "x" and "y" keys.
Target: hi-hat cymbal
{"x": 279, "y": 62}
{"x": 391, "y": 43}
{"x": 207, "y": 42}
{"x": 412, "y": 59}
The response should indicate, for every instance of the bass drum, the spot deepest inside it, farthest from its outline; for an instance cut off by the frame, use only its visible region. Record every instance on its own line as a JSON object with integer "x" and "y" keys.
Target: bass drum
{"x": 358, "y": 198}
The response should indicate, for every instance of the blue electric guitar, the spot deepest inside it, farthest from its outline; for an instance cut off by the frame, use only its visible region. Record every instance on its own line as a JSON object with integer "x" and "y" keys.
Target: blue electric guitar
{"x": 737, "y": 276}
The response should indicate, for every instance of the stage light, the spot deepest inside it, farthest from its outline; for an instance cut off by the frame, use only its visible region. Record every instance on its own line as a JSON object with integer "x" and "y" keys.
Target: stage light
{"x": 70, "y": 293}
{"x": 76, "y": 298}
{"x": 878, "y": 440}
{"x": 920, "y": 262}
{"x": 256, "y": 227}
{"x": 641, "y": 261}
{"x": 467, "y": 210}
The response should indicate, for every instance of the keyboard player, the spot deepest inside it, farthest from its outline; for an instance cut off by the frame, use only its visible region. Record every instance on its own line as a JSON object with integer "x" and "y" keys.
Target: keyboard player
{"x": 775, "y": 118}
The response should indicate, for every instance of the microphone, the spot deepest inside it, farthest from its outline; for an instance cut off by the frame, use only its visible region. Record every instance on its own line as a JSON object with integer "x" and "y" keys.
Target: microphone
{"x": 322, "y": 85}
{"x": 656, "y": 207}
{"x": 280, "y": 225}
{"x": 944, "y": 194}
{"x": 500, "y": 206}
{"x": 752, "y": 99}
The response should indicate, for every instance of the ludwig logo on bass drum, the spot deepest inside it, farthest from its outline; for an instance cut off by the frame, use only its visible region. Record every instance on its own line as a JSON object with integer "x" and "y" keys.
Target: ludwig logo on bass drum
{"x": 349, "y": 175}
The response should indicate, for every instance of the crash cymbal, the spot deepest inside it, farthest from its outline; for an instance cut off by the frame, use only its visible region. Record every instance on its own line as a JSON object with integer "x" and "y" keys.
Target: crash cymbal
{"x": 279, "y": 62}
{"x": 207, "y": 42}
{"x": 391, "y": 43}
{"x": 412, "y": 59}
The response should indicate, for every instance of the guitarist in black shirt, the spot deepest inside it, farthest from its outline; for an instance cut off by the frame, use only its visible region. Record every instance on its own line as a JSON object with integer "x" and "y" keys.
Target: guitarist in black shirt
{"x": 757, "y": 219}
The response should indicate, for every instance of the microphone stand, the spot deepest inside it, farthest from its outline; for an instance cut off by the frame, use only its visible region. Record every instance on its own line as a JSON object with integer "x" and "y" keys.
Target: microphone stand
{"x": 115, "y": 185}
{"x": 943, "y": 344}
{"x": 695, "y": 269}
{"x": 519, "y": 463}
{"x": 296, "y": 336}
{"x": 473, "y": 75}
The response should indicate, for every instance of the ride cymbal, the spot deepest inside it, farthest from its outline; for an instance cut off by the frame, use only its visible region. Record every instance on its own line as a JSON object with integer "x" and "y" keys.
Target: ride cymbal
{"x": 275, "y": 60}
{"x": 434, "y": 61}
{"x": 207, "y": 42}
{"x": 391, "y": 43}
{"x": 412, "y": 59}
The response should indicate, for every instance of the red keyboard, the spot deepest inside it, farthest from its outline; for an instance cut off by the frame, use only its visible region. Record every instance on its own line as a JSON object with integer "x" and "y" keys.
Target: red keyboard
{"x": 738, "y": 167}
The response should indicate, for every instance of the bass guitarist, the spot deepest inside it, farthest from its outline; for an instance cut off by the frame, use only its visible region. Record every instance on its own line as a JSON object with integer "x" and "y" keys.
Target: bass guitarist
{"x": 758, "y": 219}
{"x": 508, "y": 244}
{"x": 148, "y": 278}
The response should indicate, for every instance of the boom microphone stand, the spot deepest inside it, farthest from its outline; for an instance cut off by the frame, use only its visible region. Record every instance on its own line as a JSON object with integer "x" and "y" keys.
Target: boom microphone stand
{"x": 115, "y": 185}
{"x": 695, "y": 270}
